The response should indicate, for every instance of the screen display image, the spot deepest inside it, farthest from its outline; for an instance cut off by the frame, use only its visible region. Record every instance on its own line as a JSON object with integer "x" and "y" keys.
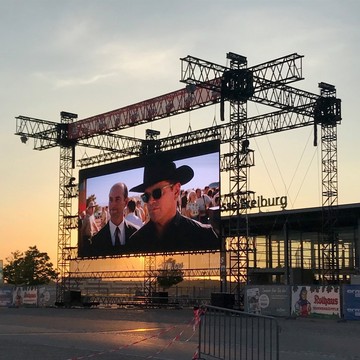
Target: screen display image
{"x": 166, "y": 202}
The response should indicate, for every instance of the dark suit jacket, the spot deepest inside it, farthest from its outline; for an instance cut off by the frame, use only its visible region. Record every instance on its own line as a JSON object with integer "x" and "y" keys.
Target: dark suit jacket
{"x": 182, "y": 234}
{"x": 101, "y": 244}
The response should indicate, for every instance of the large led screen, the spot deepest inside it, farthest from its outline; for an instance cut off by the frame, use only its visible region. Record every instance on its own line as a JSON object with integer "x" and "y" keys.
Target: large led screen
{"x": 166, "y": 202}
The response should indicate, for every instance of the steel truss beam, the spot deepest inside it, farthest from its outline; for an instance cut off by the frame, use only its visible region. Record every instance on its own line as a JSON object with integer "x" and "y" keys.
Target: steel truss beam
{"x": 284, "y": 70}
{"x": 44, "y": 132}
{"x": 119, "y": 147}
{"x": 276, "y": 121}
{"x": 269, "y": 81}
{"x": 140, "y": 274}
{"x": 46, "y": 135}
{"x": 171, "y": 104}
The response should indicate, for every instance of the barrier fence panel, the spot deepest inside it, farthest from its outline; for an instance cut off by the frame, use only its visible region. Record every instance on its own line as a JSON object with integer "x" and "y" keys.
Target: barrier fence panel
{"x": 229, "y": 334}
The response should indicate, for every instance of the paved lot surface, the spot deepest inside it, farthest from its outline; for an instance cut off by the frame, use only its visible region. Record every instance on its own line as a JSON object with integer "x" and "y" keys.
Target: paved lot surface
{"x": 31, "y": 333}
{"x": 319, "y": 339}
{"x": 160, "y": 334}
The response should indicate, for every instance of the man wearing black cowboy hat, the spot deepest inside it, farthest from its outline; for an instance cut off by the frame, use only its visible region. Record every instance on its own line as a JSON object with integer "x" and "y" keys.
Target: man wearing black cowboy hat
{"x": 168, "y": 230}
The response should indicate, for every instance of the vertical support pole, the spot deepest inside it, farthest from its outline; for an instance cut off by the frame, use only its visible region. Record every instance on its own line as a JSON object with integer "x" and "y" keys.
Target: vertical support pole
{"x": 150, "y": 146}
{"x": 328, "y": 114}
{"x": 286, "y": 253}
{"x": 238, "y": 87}
{"x": 67, "y": 163}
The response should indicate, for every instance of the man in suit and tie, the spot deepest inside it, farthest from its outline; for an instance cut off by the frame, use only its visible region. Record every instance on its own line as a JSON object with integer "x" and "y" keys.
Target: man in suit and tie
{"x": 113, "y": 238}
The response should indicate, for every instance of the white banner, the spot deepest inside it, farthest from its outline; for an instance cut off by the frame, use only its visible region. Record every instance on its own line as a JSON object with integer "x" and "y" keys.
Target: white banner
{"x": 30, "y": 295}
{"x": 25, "y": 295}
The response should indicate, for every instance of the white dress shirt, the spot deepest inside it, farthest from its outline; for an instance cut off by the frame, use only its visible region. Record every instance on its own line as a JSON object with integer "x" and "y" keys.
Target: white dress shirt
{"x": 121, "y": 235}
{"x": 131, "y": 217}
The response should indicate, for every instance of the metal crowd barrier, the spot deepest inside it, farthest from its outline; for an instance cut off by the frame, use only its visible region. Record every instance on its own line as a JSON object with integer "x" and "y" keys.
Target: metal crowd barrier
{"x": 229, "y": 334}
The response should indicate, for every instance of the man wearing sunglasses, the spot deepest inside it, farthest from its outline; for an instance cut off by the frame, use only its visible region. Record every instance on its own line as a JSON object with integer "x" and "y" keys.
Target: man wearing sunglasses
{"x": 113, "y": 238}
{"x": 168, "y": 230}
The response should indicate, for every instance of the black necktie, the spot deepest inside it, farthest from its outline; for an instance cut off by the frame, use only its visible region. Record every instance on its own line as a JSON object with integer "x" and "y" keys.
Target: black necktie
{"x": 117, "y": 237}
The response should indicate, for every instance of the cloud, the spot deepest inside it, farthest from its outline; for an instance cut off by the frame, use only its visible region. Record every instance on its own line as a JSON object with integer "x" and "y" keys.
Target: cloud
{"x": 59, "y": 81}
{"x": 138, "y": 61}
{"x": 112, "y": 61}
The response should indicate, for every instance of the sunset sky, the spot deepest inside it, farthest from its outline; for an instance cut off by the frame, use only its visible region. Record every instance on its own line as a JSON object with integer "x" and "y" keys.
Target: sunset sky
{"x": 92, "y": 56}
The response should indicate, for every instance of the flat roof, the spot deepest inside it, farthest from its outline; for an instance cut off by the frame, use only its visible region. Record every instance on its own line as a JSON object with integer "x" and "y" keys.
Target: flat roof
{"x": 307, "y": 219}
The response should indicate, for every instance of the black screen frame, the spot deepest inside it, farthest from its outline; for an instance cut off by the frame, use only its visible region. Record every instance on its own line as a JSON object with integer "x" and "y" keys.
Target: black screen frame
{"x": 183, "y": 153}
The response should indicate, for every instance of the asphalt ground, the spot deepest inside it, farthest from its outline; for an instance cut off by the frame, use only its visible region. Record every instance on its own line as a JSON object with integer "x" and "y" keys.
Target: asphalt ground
{"x": 160, "y": 334}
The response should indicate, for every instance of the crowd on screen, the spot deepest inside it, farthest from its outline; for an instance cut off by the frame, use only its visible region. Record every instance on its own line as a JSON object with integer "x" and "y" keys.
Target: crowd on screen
{"x": 195, "y": 203}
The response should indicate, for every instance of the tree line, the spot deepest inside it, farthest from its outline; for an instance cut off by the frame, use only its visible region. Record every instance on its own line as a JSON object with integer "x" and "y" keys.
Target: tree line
{"x": 34, "y": 267}
{"x": 30, "y": 268}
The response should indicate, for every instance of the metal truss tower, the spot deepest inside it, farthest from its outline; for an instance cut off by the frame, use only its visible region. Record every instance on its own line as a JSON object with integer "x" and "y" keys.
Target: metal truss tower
{"x": 67, "y": 192}
{"x": 237, "y": 87}
{"x": 328, "y": 114}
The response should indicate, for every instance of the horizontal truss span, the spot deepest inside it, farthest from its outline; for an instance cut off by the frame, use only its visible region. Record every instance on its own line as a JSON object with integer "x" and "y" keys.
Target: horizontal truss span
{"x": 47, "y": 135}
{"x": 113, "y": 142}
{"x": 174, "y": 103}
{"x": 259, "y": 125}
{"x": 44, "y": 132}
{"x": 283, "y": 70}
{"x": 140, "y": 274}
{"x": 270, "y": 88}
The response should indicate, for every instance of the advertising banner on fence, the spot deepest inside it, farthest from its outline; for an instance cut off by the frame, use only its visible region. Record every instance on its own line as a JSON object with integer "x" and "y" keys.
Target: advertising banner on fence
{"x": 42, "y": 296}
{"x": 1, "y": 272}
{"x": 6, "y": 297}
{"x": 30, "y": 295}
{"x": 273, "y": 300}
{"x": 351, "y": 302}
{"x": 18, "y": 295}
{"x": 315, "y": 301}
{"x": 47, "y": 296}
{"x": 25, "y": 295}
